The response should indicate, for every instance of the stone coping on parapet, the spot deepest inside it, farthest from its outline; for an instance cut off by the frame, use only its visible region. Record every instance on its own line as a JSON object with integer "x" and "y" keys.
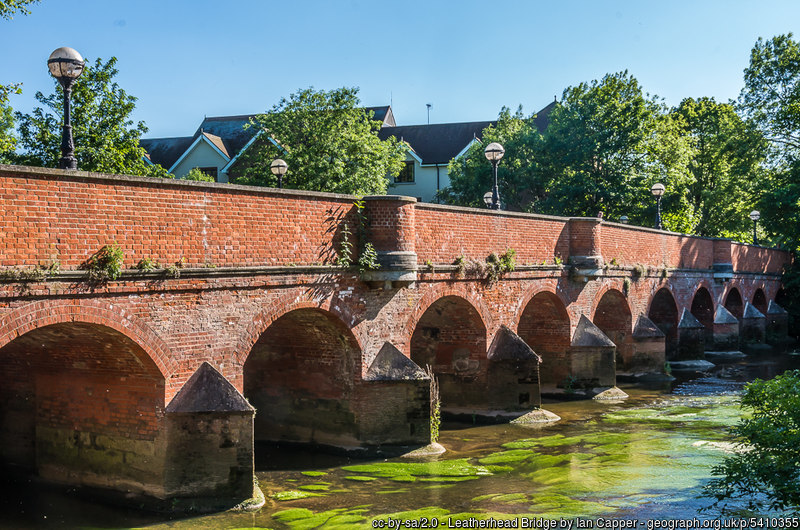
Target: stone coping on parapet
{"x": 282, "y": 270}
{"x": 221, "y": 187}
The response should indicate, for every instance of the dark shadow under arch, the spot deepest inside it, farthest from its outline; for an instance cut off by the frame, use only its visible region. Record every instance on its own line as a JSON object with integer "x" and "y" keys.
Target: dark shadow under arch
{"x": 664, "y": 314}
{"x": 544, "y": 326}
{"x": 300, "y": 376}
{"x": 73, "y": 392}
{"x": 451, "y": 338}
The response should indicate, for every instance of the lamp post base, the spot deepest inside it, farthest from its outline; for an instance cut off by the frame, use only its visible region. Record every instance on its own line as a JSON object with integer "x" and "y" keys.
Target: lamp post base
{"x": 68, "y": 162}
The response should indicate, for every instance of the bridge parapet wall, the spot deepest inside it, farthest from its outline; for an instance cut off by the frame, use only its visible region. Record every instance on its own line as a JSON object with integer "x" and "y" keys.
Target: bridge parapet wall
{"x": 67, "y": 216}
{"x": 53, "y": 214}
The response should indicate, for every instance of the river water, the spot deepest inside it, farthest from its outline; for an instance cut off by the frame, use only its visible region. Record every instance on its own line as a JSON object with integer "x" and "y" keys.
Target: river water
{"x": 644, "y": 458}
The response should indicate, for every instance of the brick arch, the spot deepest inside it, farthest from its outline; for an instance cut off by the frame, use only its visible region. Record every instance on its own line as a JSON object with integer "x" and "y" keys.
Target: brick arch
{"x": 543, "y": 287}
{"x": 301, "y": 376}
{"x": 616, "y": 322}
{"x": 543, "y": 322}
{"x": 431, "y": 297}
{"x": 667, "y": 286}
{"x": 733, "y": 300}
{"x": 759, "y": 299}
{"x": 663, "y": 310}
{"x": 605, "y": 289}
{"x": 283, "y": 306}
{"x": 703, "y": 307}
{"x": 44, "y": 313}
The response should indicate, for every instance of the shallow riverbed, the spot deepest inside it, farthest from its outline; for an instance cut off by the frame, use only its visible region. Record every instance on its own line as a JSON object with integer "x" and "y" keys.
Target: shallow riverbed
{"x": 646, "y": 457}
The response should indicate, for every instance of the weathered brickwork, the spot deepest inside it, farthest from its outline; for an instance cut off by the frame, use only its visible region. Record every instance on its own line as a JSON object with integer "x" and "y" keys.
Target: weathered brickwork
{"x": 260, "y": 300}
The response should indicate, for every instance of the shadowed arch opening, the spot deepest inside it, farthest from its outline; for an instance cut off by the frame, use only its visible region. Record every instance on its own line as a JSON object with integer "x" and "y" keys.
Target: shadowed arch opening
{"x": 664, "y": 314}
{"x": 544, "y": 325}
{"x": 299, "y": 376}
{"x": 734, "y": 303}
{"x": 73, "y": 395}
{"x": 451, "y": 338}
{"x": 760, "y": 301}
{"x": 613, "y": 317}
{"x": 703, "y": 310}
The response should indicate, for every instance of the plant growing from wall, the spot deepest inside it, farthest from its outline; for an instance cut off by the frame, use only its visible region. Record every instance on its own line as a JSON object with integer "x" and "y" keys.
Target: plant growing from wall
{"x": 497, "y": 266}
{"x": 147, "y": 265}
{"x": 436, "y": 405}
{"x": 106, "y": 263}
{"x": 626, "y": 286}
{"x": 367, "y": 258}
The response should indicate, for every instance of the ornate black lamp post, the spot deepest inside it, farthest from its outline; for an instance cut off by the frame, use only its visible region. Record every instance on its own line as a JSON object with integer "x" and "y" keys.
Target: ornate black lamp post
{"x": 755, "y": 215}
{"x": 494, "y": 152}
{"x": 279, "y": 168}
{"x": 658, "y": 190}
{"x": 66, "y": 65}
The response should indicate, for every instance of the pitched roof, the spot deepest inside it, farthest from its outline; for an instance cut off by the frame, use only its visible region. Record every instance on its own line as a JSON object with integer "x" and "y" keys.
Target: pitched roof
{"x": 383, "y": 114}
{"x": 542, "y": 118}
{"x": 437, "y": 143}
{"x": 165, "y": 151}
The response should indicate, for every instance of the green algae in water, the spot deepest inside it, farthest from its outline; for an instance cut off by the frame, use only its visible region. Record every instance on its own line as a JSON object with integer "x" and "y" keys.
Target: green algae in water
{"x": 429, "y": 512}
{"x": 360, "y": 478}
{"x": 505, "y": 457}
{"x": 444, "y": 468}
{"x": 301, "y": 518}
{"x": 291, "y": 495}
{"x": 314, "y": 473}
{"x": 315, "y": 487}
{"x": 554, "y": 440}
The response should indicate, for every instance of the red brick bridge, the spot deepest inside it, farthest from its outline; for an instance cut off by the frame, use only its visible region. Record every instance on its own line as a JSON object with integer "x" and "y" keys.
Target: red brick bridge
{"x": 135, "y": 384}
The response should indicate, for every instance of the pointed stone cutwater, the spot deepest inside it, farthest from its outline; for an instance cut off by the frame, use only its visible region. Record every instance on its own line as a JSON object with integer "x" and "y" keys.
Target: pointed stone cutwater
{"x": 691, "y": 338}
{"x": 593, "y": 361}
{"x": 208, "y": 391}
{"x": 391, "y": 365}
{"x": 646, "y": 329}
{"x": 209, "y": 427}
{"x": 774, "y": 309}
{"x": 647, "y": 357}
{"x": 513, "y": 378}
{"x": 753, "y": 330}
{"x": 394, "y": 378}
{"x": 723, "y": 316}
{"x": 751, "y": 311}
{"x": 508, "y": 346}
{"x": 689, "y": 321}
{"x": 587, "y": 335}
{"x": 726, "y": 330}
{"x": 777, "y": 325}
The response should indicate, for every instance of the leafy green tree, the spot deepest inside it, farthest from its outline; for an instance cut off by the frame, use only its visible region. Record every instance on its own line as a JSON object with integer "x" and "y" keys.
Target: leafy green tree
{"x": 725, "y": 167}
{"x": 106, "y": 139}
{"x": 199, "y": 175}
{"x": 7, "y": 139}
{"x": 10, "y": 7}
{"x": 771, "y": 93}
{"x": 765, "y": 471}
{"x": 328, "y": 142}
{"x": 606, "y": 144}
{"x": 519, "y": 178}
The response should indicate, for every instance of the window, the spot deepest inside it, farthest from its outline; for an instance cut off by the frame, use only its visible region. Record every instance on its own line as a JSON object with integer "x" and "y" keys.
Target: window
{"x": 210, "y": 171}
{"x": 406, "y": 174}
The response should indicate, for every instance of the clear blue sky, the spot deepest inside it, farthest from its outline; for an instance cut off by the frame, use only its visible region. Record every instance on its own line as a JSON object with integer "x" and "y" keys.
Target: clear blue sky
{"x": 185, "y": 59}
